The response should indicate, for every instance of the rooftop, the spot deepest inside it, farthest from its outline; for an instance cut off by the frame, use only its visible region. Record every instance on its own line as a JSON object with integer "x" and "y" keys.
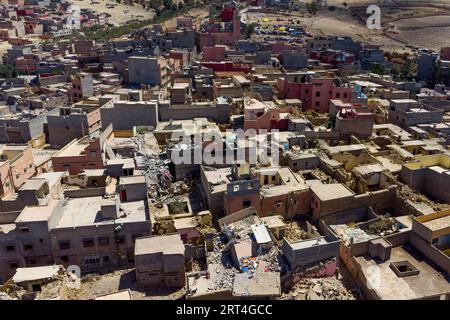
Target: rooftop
{"x": 79, "y": 212}
{"x": 388, "y": 286}
{"x": 330, "y": 191}
{"x": 167, "y": 244}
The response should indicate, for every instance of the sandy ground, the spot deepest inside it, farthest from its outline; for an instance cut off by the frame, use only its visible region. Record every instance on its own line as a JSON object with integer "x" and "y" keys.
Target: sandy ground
{"x": 198, "y": 14}
{"x": 4, "y": 45}
{"x": 120, "y": 13}
{"x": 403, "y": 24}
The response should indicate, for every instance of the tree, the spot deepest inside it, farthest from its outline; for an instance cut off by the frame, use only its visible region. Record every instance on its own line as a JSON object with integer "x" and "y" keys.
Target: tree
{"x": 249, "y": 29}
{"x": 8, "y": 71}
{"x": 377, "y": 68}
{"x": 312, "y": 7}
{"x": 407, "y": 69}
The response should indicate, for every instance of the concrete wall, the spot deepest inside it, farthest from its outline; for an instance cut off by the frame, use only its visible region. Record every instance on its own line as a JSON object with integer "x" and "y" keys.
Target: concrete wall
{"x": 63, "y": 129}
{"x": 144, "y": 70}
{"x": 124, "y": 115}
{"x": 215, "y": 111}
{"x": 308, "y": 255}
{"x": 118, "y": 254}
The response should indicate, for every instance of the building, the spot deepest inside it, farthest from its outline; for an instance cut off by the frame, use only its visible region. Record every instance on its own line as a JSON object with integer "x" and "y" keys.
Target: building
{"x": 153, "y": 71}
{"x": 16, "y": 166}
{"x": 160, "y": 261}
{"x": 66, "y": 124}
{"x": 427, "y": 66}
{"x": 82, "y": 87}
{"x": 313, "y": 90}
{"x": 78, "y": 155}
{"x": 125, "y": 115}
{"x": 428, "y": 174}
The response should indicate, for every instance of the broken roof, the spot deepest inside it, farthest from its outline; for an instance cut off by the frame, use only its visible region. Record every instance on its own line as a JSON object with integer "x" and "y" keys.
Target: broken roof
{"x": 261, "y": 284}
{"x": 36, "y": 273}
{"x": 261, "y": 234}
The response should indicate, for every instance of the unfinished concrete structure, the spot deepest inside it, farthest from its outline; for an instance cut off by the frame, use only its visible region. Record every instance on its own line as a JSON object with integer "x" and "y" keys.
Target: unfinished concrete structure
{"x": 160, "y": 261}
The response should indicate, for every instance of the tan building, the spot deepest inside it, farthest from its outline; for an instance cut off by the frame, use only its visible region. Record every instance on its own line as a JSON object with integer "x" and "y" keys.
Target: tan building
{"x": 160, "y": 261}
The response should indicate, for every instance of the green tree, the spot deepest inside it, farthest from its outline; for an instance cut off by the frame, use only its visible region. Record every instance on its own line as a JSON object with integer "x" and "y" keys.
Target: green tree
{"x": 312, "y": 7}
{"x": 8, "y": 71}
{"x": 249, "y": 29}
{"x": 377, "y": 68}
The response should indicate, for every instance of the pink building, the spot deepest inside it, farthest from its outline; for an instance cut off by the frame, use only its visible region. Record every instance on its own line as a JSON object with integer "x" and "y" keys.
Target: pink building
{"x": 258, "y": 116}
{"x": 216, "y": 53}
{"x": 315, "y": 92}
{"x": 217, "y": 33}
{"x": 185, "y": 23}
{"x": 445, "y": 53}
{"x": 16, "y": 166}
{"x": 27, "y": 64}
{"x": 78, "y": 155}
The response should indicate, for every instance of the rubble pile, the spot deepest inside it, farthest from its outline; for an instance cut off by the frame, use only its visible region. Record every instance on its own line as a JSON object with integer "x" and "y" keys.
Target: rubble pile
{"x": 328, "y": 288}
{"x": 239, "y": 230}
{"x": 223, "y": 279}
{"x": 351, "y": 234}
{"x": 384, "y": 226}
{"x": 294, "y": 234}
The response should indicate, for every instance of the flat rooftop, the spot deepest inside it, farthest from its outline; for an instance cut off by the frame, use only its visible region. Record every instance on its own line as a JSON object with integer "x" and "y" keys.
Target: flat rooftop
{"x": 79, "y": 212}
{"x": 132, "y": 179}
{"x": 167, "y": 244}
{"x": 438, "y": 223}
{"x": 388, "y": 286}
{"x": 72, "y": 150}
{"x": 351, "y": 147}
{"x": 37, "y": 213}
{"x": 330, "y": 191}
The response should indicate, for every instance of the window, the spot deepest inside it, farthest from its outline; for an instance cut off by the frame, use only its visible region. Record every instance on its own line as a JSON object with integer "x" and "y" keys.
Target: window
{"x": 279, "y": 204}
{"x": 246, "y": 203}
{"x": 120, "y": 239}
{"x": 105, "y": 258}
{"x": 10, "y": 248}
{"x": 64, "y": 245}
{"x": 64, "y": 258}
{"x": 24, "y": 229}
{"x": 235, "y": 188}
{"x": 33, "y": 261}
{"x": 103, "y": 241}
{"x": 14, "y": 265}
{"x": 93, "y": 154}
{"x": 87, "y": 243}
{"x": 318, "y": 94}
{"x": 92, "y": 260}
{"x": 28, "y": 247}
{"x": 345, "y": 95}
